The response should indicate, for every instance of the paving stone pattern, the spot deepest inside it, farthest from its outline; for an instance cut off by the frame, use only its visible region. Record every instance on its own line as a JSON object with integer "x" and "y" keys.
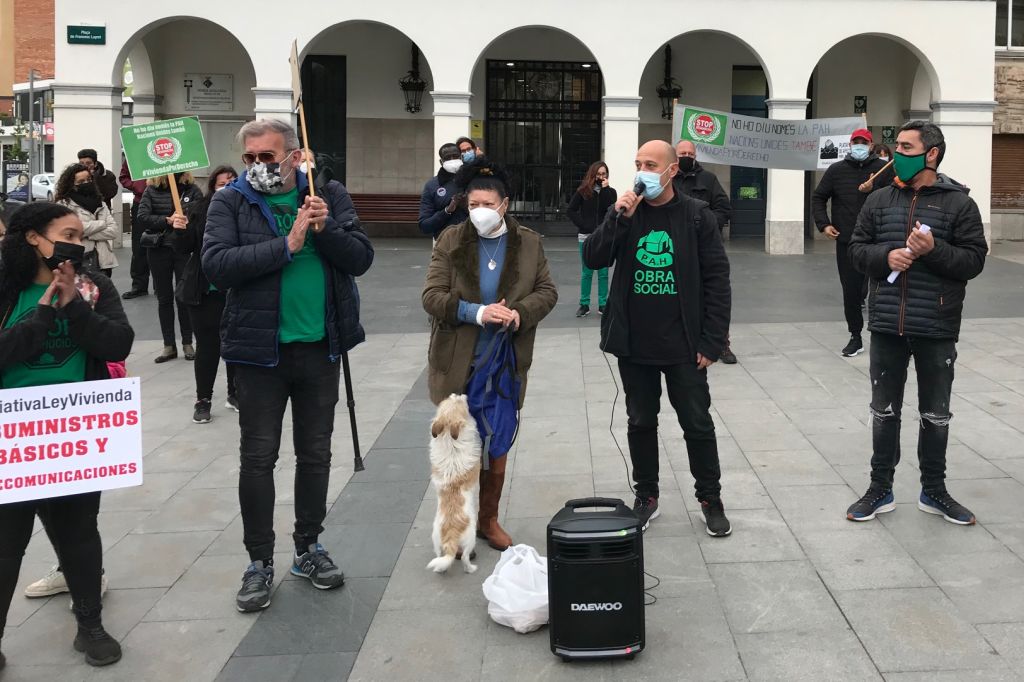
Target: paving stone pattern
{"x": 797, "y": 593}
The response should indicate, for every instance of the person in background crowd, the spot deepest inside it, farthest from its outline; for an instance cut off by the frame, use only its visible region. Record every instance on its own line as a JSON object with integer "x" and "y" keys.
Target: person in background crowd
{"x": 203, "y": 301}
{"x": 840, "y": 185}
{"x": 290, "y": 261}
{"x": 61, "y": 323}
{"x": 587, "y": 209}
{"x": 468, "y": 149}
{"x": 442, "y": 202}
{"x": 160, "y": 222}
{"x": 668, "y": 313}
{"x": 77, "y": 190}
{"x": 140, "y": 261}
{"x": 694, "y": 181}
{"x": 918, "y": 315}
{"x": 105, "y": 180}
{"x": 883, "y": 152}
{"x": 488, "y": 273}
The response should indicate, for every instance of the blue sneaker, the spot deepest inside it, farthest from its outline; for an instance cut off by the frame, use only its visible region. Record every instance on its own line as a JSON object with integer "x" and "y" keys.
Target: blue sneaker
{"x": 942, "y": 503}
{"x": 876, "y": 500}
{"x": 316, "y": 565}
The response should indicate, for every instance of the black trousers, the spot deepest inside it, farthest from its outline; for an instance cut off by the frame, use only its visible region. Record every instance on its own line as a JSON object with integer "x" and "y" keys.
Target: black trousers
{"x": 307, "y": 377}
{"x": 140, "y": 261}
{"x": 854, "y": 289}
{"x": 71, "y": 523}
{"x": 167, "y": 267}
{"x": 933, "y": 361}
{"x": 205, "y": 319}
{"x": 690, "y": 396}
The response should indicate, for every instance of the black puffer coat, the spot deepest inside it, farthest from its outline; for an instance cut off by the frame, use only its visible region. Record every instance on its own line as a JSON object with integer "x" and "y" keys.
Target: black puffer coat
{"x": 703, "y": 185}
{"x": 928, "y": 299}
{"x": 587, "y": 214}
{"x": 157, "y": 204}
{"x": 840, "y": 184}
{"x": 243, "y": 252}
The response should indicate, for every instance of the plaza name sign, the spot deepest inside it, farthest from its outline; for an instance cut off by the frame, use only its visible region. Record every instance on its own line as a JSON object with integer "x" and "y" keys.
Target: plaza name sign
{"x": 734, "y": 140}
{"x": 164, "y": 147}
{"x": 87, "y": 35}
{"x": 66, "y": 439}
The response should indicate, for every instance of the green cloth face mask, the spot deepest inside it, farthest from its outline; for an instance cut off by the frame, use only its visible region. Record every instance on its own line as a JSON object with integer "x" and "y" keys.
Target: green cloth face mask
{"x": 906, "y": 166}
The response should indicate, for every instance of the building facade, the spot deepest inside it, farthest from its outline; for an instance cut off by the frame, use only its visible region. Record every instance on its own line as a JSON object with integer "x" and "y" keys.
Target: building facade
{"x": 545, "y": 88}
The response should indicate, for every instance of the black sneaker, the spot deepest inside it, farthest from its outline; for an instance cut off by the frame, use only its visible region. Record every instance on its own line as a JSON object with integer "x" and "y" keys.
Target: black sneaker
{"x": 583, "y": 311}
{"x": 600, "y": 310}
{"x": 98, "y": 646}
{"x": 877, "y": 500}
{"x": 231, "y": 403}
{"x": 256, "y": 584}
{"x": 714, "y": 517}
{"x": 854, "y": 347}
{"x": 728, "y": 357}
{"x": 134, "y": 293}
{"x": 202, "y": 413}
{"x": 647, "y": 509}
{"x": 942, "y": 503}
{"x": 317, "y": 566}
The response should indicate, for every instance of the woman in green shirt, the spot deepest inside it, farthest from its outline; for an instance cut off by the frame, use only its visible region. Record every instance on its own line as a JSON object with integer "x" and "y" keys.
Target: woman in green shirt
{"x": 58, "y": 324}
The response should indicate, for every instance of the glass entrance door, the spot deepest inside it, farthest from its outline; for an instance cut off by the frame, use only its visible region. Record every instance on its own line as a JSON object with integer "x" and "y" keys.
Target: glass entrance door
{"x": 544, "y": 126}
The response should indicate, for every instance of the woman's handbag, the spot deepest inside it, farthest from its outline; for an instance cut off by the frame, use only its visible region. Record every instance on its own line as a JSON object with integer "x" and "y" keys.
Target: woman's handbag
{"x": 152, "y": 240}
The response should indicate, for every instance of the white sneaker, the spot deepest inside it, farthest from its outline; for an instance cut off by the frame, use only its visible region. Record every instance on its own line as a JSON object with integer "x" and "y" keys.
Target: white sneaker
{"x": 54, "y": 583}
{"x": 50, "y": 584}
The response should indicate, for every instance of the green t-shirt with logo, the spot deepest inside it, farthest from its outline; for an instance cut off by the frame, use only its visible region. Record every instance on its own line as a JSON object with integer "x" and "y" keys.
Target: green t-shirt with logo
{"x": 60, "y": 361}
{"x": 657, "y": 334}
{"x": 303, "y": 284}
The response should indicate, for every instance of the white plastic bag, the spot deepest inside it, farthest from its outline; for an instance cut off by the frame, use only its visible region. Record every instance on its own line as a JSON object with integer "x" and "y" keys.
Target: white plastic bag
{"x": 517, "y": 590}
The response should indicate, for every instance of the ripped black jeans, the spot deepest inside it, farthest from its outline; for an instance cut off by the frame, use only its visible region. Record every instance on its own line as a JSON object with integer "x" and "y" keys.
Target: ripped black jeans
{"x": 933, "y": 360}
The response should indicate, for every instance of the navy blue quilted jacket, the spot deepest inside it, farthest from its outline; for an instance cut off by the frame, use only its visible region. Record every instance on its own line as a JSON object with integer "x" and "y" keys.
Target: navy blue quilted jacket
{"x": 243, "y": 254}
{"x": 928, "y": 299}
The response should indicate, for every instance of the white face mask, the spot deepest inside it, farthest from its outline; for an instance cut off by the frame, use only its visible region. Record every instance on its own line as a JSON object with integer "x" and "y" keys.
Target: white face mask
{"x": 486, "y": 221}
{"x": 452, "y": 165}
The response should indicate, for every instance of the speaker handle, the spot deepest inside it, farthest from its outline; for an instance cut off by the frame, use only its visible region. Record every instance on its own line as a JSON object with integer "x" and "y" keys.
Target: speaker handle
{"x": 612, "y": 502}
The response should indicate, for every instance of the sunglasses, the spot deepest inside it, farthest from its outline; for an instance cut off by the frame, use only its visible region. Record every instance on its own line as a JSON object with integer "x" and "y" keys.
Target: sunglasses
{"x": 263, "y": 157}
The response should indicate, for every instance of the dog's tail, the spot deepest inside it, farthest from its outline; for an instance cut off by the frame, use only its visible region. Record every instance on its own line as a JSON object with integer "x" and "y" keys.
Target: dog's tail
{"x": 442, "y": 563}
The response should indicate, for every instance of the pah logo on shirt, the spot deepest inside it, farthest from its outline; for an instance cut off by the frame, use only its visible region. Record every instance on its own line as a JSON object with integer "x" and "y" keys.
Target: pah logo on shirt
{"x": 655, "y": 250}
{"x": 654, "y": 275}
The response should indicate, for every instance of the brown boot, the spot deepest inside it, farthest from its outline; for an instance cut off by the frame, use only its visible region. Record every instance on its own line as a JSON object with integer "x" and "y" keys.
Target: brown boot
{"x": 491, "y": 482}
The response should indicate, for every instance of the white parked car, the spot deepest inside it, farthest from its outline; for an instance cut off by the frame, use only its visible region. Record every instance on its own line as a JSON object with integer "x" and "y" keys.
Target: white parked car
{"x": 43, "y": 186}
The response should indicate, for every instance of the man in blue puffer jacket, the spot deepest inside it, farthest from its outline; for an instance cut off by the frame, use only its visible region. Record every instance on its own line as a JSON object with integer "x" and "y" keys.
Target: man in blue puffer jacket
{"x": 288, "y": 262}
{"x": 917, "y": 314}
{"x": 441, "y": 201}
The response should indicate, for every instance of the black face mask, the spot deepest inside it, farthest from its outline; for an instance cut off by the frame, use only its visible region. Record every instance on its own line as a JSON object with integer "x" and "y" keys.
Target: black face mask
{"x": 65, "y": 251}
{"x": 686, "y": 163}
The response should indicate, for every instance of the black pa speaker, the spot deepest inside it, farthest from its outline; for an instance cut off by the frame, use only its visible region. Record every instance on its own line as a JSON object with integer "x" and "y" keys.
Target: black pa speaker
{"x": 596, "y": 580}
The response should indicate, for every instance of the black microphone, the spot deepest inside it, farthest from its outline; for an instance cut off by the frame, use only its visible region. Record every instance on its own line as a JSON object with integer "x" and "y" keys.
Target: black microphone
{"x": 638, "y": 190}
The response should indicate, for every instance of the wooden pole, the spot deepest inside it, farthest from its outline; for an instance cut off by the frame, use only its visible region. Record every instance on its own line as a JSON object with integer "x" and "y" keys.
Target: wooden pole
{"x": 309, "y": 161}
{"x": 174, "y": 193}
{"x": 879, "y": 171}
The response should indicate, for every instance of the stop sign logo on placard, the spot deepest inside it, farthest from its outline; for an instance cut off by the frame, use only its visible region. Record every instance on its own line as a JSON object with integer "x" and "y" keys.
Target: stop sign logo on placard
{"x": 164, "y": 150}
{"x": 705, "y": 127}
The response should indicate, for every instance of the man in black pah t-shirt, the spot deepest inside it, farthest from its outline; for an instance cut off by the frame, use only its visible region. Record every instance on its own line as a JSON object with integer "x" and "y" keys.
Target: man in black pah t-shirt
{"x": 668, "y": 313}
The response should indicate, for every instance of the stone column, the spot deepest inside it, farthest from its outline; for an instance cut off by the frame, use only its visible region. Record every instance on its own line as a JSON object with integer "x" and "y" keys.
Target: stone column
{"x": 274, "y": 103}
{"x": 621, "y": 133}
{"x": 967, "y": 127}
{"x": 784, "y": 224}
{"x": 451, "y": 116}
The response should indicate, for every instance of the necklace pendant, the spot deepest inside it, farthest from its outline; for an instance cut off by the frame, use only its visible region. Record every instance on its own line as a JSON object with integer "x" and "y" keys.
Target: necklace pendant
{"x": 491, "y": 264}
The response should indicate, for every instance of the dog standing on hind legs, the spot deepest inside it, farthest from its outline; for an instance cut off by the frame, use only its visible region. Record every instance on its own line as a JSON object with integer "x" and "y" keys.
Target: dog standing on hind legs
{"x": 455, "y": 473}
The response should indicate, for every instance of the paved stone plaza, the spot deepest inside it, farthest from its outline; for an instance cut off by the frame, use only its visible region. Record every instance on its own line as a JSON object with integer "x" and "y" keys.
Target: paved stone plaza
{"x": 797, "y": 592}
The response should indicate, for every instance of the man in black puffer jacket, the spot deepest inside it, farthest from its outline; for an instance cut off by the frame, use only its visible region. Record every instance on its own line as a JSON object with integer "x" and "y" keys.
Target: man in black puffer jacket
{"x": 292, "y": 309}
{"x": 441, "y": 201}
{"x": 918, "y": 314}
{"x": 842, "y": 184}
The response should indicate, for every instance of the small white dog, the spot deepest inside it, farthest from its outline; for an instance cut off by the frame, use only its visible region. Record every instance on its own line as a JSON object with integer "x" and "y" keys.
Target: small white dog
{"x": 455, "y": 473}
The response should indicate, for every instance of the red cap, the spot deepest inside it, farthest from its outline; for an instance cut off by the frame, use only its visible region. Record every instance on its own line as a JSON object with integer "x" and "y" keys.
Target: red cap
{"x": 861, "y": 132}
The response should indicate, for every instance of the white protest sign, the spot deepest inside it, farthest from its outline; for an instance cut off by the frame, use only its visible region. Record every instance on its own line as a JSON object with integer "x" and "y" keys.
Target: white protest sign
{"x": 66, "y": 439}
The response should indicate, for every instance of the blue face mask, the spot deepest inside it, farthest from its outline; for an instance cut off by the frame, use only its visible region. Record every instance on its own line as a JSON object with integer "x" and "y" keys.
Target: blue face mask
{"x": 468, "y": 155}
{"x": 859, "y": 152}
{"x": 652, "y": 183}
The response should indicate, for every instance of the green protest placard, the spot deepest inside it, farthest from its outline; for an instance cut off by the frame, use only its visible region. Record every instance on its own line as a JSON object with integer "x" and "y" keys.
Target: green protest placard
{"x": 164, "y": 147}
